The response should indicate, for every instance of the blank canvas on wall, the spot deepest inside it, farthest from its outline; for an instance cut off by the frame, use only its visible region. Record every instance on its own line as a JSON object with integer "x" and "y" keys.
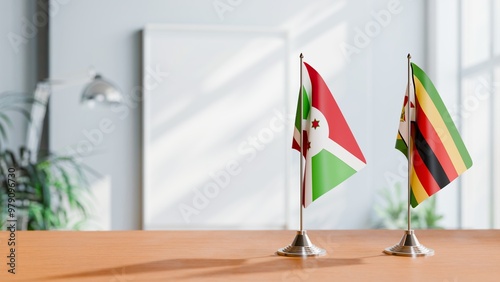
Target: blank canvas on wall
{"x": 216, "y": 136}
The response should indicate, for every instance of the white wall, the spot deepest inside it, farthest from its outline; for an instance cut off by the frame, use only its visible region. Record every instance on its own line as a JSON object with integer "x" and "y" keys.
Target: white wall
{"x": 18, "y": 57}
{"x": 368, "y": 85}
{"x": 468, "y": 91}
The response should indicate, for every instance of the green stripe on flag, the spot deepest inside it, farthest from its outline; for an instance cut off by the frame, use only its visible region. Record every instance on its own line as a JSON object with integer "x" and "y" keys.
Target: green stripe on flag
{"x": 413, "y": 200}
{"x": 328, "y": 171}
{"x": 448, "y": 121}
{"x": 306, "y": 108}
{"x": 307, "y": 104}
{"x": 401, "y": 145}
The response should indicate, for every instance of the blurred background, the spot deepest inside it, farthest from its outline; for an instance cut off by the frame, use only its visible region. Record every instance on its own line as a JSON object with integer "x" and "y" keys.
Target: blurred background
{"x": 200, "y": 137}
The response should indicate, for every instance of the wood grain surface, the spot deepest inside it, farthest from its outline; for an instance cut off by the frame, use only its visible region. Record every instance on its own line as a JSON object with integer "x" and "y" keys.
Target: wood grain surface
{"x": 353, "y": 255}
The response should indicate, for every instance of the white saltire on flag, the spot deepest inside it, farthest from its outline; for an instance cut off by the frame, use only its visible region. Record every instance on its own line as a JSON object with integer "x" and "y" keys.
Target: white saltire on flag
{"x": 331, "y": 153}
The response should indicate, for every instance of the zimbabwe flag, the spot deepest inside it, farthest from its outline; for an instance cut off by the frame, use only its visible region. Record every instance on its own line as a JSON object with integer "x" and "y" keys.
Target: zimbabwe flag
{"x": 438, "y": 154}
{"x": 331, "y": 153}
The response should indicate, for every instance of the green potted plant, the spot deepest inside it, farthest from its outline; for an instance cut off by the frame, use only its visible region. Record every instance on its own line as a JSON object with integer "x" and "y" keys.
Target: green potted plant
{"x": 392, "y": 213}
{"x": 49, "y": 193}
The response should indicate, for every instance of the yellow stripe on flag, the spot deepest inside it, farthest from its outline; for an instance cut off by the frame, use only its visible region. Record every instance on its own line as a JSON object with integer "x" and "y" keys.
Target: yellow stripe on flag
{"x": 417, "y": 188}
{"x": 437, "y": 122}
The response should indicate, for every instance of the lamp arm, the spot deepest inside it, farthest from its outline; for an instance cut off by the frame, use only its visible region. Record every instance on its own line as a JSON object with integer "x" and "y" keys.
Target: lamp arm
{"x": 79, "y": 79}
{"x": 38, "y": 111}
{"x": 97, "y": 88}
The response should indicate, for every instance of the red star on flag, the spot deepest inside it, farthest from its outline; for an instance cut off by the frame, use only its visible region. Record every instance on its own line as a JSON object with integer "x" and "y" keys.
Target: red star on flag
{"x": 315, "y": 123}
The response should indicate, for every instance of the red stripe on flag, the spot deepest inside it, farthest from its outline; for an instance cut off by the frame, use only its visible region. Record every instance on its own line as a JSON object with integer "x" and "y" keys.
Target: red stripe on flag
{"x": 323, "y": 100}
{"x": 304, "y": 189}
{"x": 295, "y": 145}
{"x": 434, "y": 141}
{"x": 424, "y": 175}
{"x": 305, "y": 143}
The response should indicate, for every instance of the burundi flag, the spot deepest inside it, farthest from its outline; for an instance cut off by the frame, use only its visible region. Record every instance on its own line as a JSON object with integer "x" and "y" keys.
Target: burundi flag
{"x": 331, "y": 153}
{"x": 438, "y": 152}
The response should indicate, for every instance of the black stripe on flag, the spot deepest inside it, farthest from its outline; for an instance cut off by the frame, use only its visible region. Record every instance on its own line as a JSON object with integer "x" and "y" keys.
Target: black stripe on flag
{"x": 429, "y": 158}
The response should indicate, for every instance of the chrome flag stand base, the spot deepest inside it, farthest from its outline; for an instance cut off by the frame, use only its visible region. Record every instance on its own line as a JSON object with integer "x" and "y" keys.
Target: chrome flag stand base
{"x": 301, "y": 247}
{"x": 409, "y": 247}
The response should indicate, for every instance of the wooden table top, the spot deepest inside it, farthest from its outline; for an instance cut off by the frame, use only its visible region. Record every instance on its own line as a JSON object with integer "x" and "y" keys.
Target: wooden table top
{"x": 353, "y": 255}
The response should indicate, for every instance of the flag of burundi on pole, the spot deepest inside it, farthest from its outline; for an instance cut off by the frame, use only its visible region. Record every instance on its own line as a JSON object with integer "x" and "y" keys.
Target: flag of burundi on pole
{"x": 438, "y": 154}
{"x": 331, "y": 153}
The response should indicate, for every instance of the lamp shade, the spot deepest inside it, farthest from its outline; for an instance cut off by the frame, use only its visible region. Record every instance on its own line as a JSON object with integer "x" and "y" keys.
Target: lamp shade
{"x": 101, "y": 90}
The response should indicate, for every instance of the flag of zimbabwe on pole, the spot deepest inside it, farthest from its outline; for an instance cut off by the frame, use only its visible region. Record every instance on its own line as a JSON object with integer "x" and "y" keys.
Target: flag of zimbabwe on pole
{"x": 331, "y": 153}
{"x": 438, "y": 154}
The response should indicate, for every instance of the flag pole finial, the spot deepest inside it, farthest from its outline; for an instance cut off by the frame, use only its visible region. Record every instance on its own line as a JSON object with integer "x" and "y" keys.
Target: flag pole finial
{"x": 301, "y": 56}
{"x": 409, "y": 56}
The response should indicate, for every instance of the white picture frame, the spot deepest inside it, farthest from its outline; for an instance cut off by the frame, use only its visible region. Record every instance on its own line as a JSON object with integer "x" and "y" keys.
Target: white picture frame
{"x": 209, "y": 92}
